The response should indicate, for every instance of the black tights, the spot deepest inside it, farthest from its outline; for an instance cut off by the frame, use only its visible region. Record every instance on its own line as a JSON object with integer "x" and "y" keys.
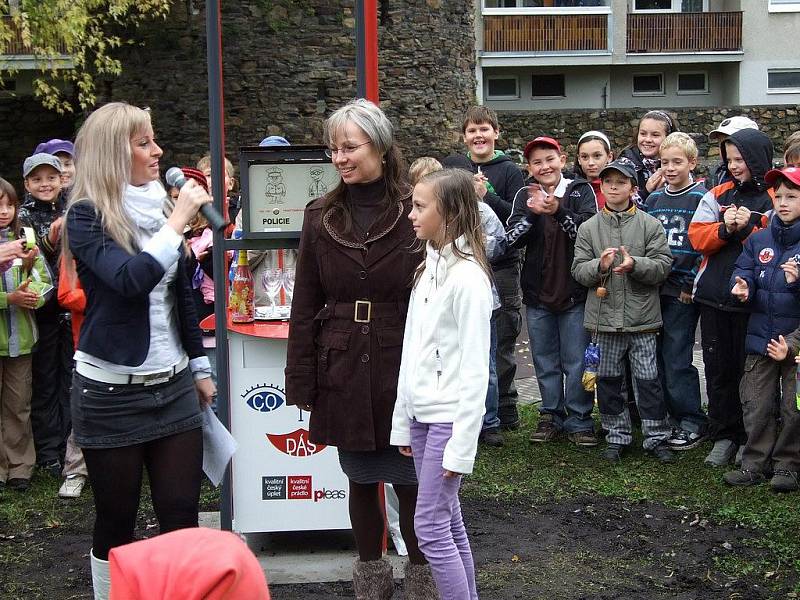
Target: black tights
{"x": 174, "y": 467}
{"x": 366, "y": 517}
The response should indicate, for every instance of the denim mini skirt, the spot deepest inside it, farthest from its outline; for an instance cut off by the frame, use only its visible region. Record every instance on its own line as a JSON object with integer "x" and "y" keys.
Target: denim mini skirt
{"x": 108, "y": 415}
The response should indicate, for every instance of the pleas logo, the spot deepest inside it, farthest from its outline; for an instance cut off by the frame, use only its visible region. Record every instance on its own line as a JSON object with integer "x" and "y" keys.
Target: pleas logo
{"x": 264, "y": 398}
{"x": 295, "y": 443}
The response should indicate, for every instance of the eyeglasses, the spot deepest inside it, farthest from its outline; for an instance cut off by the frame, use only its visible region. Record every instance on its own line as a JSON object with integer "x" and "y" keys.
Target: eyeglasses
{"x": 331, "y": 152}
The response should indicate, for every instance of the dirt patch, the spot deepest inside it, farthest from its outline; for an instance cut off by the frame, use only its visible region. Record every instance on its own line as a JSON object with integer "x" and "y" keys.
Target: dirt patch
{"x": 590, "y": 548}
{"x": 594, "y": 548}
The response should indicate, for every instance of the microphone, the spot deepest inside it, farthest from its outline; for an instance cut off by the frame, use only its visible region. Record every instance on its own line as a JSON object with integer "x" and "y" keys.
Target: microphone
{"x": 176, "y": 178}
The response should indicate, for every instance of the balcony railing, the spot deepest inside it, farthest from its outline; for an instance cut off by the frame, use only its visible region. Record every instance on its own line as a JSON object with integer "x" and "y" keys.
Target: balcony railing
{"x": 545, "y": 33}
{"x": 684, "y": 32}
{"x": 17, "y": 46}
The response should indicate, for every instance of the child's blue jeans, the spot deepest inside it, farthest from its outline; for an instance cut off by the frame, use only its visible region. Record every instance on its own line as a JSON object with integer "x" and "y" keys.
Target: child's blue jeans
{"x": 679, "y": 377}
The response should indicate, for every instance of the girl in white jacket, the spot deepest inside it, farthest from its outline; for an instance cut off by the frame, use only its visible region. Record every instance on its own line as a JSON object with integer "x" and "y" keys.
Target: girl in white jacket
{"x": 444, "y": 371}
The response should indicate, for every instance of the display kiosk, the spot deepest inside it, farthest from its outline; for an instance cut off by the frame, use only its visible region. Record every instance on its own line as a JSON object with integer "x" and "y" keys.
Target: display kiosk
{"x": 279, "y": 479}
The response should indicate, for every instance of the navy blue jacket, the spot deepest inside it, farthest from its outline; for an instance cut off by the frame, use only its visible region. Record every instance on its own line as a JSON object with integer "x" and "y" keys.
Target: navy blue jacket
{"x": 775, "y": 304}
{"x": 116, "y": 326}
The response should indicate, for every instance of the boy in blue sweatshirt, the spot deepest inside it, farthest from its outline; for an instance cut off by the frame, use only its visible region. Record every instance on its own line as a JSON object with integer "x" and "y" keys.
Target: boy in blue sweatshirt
{"x": 766, "y": 277}
{"x": 674, "y": 206}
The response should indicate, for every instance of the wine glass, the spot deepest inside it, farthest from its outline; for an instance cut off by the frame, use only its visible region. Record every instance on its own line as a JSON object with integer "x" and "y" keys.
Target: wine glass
{"x": 272, "y": 280}
{"x": 288, "y": 284}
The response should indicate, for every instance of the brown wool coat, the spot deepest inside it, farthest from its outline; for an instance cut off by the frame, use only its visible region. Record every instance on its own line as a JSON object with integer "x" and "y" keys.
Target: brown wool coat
{"x": 348, "y": 370}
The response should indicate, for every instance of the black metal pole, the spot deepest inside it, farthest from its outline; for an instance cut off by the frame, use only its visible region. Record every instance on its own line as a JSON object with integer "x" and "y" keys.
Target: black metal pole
{"x": 217, "y": 145}
{"x": 361, "y": 51}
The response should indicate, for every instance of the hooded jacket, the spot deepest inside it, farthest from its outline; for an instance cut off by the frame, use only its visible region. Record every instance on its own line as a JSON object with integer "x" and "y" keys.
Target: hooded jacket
{"x": 189, "y": 564}
{"x": 774, "y": 302}
{"x": 444, "y": 367}
{"x": 549, "y": 242}
{"x": 707, "y": 231}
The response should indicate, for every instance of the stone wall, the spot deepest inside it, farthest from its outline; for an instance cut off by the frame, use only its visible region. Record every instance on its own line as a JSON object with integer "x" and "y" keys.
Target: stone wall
{"x": 619, "y": 124}
{"x": 24, "y": 124}
{"x": 288, "y": 65}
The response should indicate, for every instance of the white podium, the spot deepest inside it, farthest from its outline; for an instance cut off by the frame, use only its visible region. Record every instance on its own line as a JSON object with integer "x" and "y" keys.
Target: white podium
{"x": 281, "y": 481}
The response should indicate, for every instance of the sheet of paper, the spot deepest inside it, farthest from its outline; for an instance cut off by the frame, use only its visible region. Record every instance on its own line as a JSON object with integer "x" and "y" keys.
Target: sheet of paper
{"x": 219, "y": 446}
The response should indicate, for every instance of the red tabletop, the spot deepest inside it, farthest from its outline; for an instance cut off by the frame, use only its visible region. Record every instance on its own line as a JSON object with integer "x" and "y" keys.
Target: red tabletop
{"x": 277, "y": 330}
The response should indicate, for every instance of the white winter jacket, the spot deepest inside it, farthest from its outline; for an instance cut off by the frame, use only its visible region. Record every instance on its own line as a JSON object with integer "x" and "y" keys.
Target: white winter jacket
{"x": 444, "y": 371}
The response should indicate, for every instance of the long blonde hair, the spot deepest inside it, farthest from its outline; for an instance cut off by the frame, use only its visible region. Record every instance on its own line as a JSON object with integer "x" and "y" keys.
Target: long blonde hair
{"x": 458, "y": 204}
{"x": 103, "y": 169}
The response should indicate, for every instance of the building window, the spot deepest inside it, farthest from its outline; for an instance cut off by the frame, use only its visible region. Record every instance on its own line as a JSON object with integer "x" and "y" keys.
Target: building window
{"x": 783, "y": 80}
{"x": 670, "y": 5}
{"x": 502, "y": 88}
{"x": 548, "y": 86}
{"x": 648, "y": 84}
{"x": 693, "y": 83}
{"x": 784, "y": 5}
{"x": 544, "y": 3}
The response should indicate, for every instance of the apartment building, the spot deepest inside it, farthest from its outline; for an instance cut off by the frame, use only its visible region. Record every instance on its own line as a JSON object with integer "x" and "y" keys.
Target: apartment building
{"x": 572, "y": 54}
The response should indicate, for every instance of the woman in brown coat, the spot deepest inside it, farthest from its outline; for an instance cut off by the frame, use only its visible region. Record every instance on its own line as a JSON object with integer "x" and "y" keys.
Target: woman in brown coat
{"x": 353, "y": 277}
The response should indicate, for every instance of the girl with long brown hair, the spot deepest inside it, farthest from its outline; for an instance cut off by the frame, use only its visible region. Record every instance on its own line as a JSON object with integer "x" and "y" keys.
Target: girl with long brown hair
{"x": 444, "y": 371}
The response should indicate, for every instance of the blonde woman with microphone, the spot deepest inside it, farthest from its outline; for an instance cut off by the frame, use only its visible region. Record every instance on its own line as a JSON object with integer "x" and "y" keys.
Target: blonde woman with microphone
{"x": 141, "y": 376}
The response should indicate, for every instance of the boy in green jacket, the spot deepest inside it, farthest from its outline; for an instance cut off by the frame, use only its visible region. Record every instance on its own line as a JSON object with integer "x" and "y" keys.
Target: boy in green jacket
{"x": 622, "y": 253}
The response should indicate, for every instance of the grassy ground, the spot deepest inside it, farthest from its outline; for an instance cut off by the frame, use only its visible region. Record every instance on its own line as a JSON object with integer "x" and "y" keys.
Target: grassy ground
{"x": 561, "y": 471}
{"x": 44, "y": 541}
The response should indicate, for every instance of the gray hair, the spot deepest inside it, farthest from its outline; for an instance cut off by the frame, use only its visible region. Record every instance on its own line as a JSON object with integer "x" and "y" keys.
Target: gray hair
{"x": 368, "y": 117}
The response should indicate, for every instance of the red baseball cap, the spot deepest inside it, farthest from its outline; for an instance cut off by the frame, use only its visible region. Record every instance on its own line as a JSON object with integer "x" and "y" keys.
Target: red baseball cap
{"x": 791, "y": 173}
{"x": 539, "y": 142}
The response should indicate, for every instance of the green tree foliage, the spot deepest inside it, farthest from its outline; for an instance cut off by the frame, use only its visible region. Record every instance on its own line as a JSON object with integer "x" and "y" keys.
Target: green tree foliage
{"x": 80, "y": 35}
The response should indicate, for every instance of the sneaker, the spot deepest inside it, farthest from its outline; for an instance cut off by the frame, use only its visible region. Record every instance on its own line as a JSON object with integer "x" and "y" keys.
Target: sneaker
{"x": 743, "y": 478}
{"x": 739, "y": 453}
{"x": 613, "y": 452}
{"x": 18, "y": 484}
{"x": 546, "y": 430}
{"x": 509, "y": 418}
{"x": 721, "y": 454}
{"x": 72, "y": 486}
{"x": 491, "y": 437}
{"x": 784, "y": 481}
{"x": 682, "y": 439}
{"x": 52, "y": 468}
{"x": 663, "y": 454}
{"x": 583, "y": 438}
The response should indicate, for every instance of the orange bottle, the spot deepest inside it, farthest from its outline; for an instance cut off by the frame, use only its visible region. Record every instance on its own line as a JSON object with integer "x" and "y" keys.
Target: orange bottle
{"x": 242, "y": 293}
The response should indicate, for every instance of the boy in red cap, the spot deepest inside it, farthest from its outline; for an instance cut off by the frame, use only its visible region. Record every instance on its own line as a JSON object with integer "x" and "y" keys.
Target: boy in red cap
{"x": 766, "y": 277}
{"x": 545, "y": 220}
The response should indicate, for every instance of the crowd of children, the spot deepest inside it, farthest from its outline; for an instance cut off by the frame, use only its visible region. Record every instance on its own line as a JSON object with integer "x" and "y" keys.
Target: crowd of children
{"x": 619, "y": 257}
{"x": 627, "y": 256}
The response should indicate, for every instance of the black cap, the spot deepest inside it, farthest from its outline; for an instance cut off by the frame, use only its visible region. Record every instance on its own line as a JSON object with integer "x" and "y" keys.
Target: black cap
{"x": 624, "y": 167}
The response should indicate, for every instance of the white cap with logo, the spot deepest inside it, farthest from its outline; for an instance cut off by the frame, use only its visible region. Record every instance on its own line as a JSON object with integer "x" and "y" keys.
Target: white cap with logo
{"x": 730, "y": 126}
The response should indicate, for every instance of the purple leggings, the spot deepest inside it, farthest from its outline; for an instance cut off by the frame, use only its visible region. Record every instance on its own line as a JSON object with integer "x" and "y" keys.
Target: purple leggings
{"x": 437, "y": 521}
